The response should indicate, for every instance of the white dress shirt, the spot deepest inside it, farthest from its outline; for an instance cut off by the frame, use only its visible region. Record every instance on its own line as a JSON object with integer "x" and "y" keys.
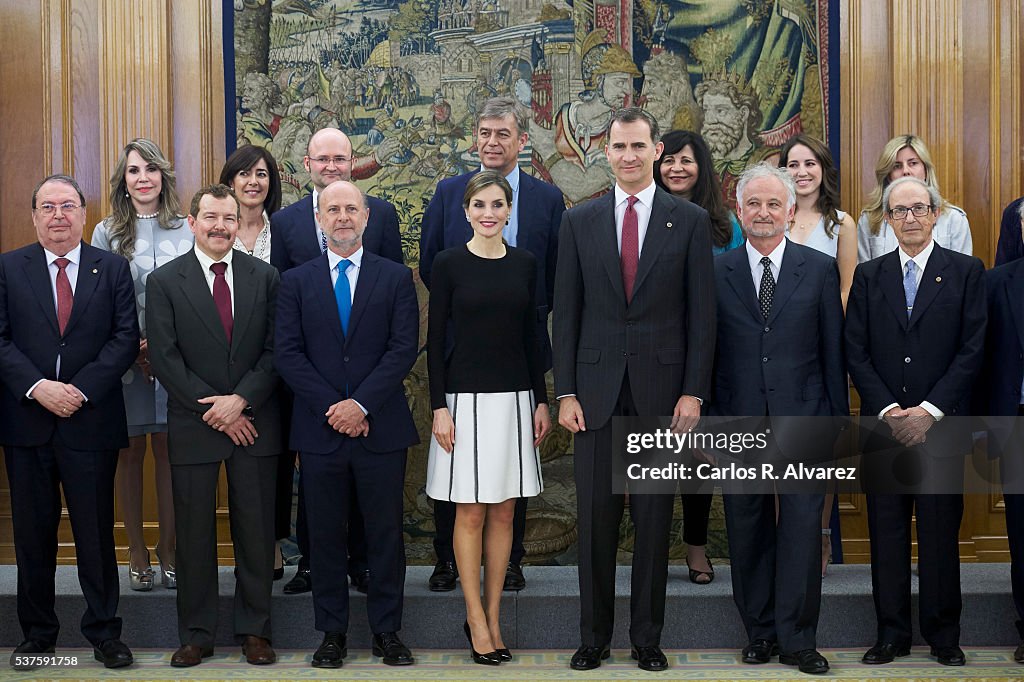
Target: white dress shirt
{"x": 643, "y": 213}
{"x": 757, "y": 270}
{"x": 205, "y": 262}
{"x": 356, "y": 259}
{"x": 71, "y": 270}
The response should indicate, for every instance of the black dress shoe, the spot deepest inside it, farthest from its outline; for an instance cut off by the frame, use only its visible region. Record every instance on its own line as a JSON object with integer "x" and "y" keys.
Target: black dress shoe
{"x": 949, "y": 655}
{"x": 113, "y": 653}
{"x": 504, "y": 654}
{"x": 589, "y": 657}
{"x": 759, "y": 651}
{"x": 28, "y": 655}
{"x": 444, "y": 576}
{"x": 514, "y": 580}
{"x": 649, "y": 658}
{"x": 391, "y": 650}
{"x": 884, "y": 652}
{"x": 331, "y": 652}
{"x": 808, "y": 661}
{"x": 1018, "y": 653}
{"x": 189, "y": 655}
{"x": 486, "y": 658}
{"x": 300, "y": 582}
{"x": 361, "y": 581}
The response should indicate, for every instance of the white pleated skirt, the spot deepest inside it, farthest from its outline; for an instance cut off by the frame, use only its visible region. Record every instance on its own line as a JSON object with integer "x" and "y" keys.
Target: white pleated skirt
{"x": 494, "y": 459}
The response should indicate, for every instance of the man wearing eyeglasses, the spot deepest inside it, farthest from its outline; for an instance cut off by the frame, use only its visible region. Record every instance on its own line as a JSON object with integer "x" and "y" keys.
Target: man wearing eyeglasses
{"x": 68, "y": 331}
{"x": 296, "y": 238}
{"x": 915, "y": 332}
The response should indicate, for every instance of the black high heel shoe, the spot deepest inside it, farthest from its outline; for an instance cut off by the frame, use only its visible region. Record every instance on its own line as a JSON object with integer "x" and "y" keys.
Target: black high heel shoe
{"x": 490, "y": 658}
{"x": 504, "y": 655}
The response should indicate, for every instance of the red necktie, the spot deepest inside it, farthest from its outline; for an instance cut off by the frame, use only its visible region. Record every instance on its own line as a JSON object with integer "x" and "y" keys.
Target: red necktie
{"x": 630, "y": 248}
{"x": 65, "y": 299}
{"x": 222, "y": 297}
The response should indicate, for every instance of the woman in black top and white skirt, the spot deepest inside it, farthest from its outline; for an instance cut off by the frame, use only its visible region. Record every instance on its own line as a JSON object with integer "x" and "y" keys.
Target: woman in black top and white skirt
{"x": 489, "y": 400}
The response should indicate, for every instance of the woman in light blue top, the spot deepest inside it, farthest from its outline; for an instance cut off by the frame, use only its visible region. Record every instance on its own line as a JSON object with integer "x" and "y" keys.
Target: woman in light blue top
{"x": 147, "y": 228}
{"x": 685, "y": 169}
{"x": 907, "y": 155}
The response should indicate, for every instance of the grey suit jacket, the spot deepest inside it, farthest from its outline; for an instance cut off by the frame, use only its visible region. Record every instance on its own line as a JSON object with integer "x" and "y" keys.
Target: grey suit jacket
{"x": 190, "y": 354}
{"x": 664, "y": 339}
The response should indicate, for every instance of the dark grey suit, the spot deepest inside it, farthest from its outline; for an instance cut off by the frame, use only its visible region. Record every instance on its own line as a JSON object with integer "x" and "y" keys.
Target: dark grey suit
{"x": 191, "y": 356}
{"x": 622, "y": 359}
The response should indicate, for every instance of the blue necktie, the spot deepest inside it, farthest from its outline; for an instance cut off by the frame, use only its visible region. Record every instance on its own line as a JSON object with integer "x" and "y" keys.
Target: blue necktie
{"x": 343, "y": 294}
{"x": 910, "y": 286}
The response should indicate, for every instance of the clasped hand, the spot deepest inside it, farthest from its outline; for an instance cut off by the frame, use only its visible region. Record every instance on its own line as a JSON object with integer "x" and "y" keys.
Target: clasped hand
{"x": 346, "y": 417}
{"x": 909, "y": 426}
{"x": 59, "y": 398}
{"x": 225, "y": 416}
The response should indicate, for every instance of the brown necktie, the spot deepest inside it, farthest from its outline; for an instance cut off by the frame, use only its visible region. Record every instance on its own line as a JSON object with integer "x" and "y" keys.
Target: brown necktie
{"x": 222, "y": 298}
{"x": 65, "y": 299}
{"x": 630, "y": 257}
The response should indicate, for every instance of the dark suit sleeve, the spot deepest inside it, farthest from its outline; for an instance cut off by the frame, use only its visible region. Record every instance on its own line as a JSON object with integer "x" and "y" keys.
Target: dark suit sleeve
{"x": 568, "y": 308}
{"x": 554, "y": 222}
{"x": 431, "y": 236}
{"x": 438, "y": 314}
{"x": 873, "y": 391}
{"x": 533, "y": 358}
{"x": 97, "y": 378}
{"x": 391, "y": 236}
{"x": 261, "y": 380}
{"x": 955, "y": 384}
{"x": 16, "y": 370}
{"x": 279, "y": 257}
{"x": 830, "y": 336}
{"x": 164, "y": 354}
{"x": 1010, "y": 246}
{"x": 700, "y": 311}
{"x": 290, "y": 355}
{"x": 398, "y": 358}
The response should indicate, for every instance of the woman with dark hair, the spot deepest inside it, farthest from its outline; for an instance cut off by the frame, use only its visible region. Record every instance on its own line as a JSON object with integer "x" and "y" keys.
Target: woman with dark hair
{"x": 685, "y": 169}
{"x": 146, "y": 227}
{"x": 251, "y": 172}
{"x": 489, "y": 400}
{"x": 818, "y": 222}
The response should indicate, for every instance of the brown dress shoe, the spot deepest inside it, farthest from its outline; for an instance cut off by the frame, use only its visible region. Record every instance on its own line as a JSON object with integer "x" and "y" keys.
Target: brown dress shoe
{"x": 190, "y": 655}
{"x": 258, "y": 651}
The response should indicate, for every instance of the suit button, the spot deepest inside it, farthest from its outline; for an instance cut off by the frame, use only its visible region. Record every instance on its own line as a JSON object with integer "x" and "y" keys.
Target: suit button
{"x": 624, "y": 354}
{"x": 904, "y": 389}
{"x": 63, "y": 344}
{"x": 767, "y": 329}
{"x": 764, "y": 359}
{"x": 907, "y": 359}
{"x": 346, "y": 358}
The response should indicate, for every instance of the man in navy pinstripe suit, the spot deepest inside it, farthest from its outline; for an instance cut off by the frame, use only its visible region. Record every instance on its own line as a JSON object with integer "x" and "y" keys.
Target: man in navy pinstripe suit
{"x": 634, "y": 335}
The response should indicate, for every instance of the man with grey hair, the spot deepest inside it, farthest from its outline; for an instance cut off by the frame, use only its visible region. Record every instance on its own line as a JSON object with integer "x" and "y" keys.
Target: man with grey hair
{"x": 68, "y": 332}
{"x": 779, "y": 355}
{"x": 915, "y": 333}
{"x": 537, "y": 207}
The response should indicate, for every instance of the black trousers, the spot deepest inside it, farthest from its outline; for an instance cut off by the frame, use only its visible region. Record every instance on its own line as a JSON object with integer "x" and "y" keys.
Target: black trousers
{"x": 776, "y": 566}
{"x": 357, "y": 549}
{"x": 599, "y": 514}
{"x": 251, "y": 486}
{"x": 328, "y": 482}
{"x": 36, "y": 476}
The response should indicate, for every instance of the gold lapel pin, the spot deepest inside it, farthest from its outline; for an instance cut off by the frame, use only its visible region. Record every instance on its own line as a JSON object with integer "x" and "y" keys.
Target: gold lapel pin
{"x": 938, "y": 279}
{"x": 668, "y": 224}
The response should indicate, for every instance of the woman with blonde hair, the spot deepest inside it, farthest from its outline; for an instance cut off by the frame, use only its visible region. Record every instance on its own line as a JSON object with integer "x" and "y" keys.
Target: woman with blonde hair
{"x": 146, "y": 227}
{"x": 903, "y": 156}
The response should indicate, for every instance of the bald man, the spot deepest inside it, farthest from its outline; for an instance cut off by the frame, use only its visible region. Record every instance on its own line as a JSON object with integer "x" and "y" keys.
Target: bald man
{"x": 296, "y": 238}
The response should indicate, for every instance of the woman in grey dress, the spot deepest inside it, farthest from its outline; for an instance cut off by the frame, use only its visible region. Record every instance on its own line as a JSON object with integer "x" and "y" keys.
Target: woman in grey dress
{"x": 147, "y": 228}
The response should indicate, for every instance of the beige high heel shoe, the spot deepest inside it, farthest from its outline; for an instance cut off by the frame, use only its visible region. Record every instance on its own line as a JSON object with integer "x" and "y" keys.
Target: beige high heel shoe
{"x": 140, "y": 581}
{"x": 167, "y": 574}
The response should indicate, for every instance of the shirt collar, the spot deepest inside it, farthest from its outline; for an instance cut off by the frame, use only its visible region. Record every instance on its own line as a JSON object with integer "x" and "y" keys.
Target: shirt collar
{"x": 316, "y": 200}
{"x": 355, "y": 259}
{"x": 74, "y": 255}
{"x": 646, "y": 195}
{"x": 205, "y": 261}
{"x": 754, "y": 256}
{"x": 920, "y": 260}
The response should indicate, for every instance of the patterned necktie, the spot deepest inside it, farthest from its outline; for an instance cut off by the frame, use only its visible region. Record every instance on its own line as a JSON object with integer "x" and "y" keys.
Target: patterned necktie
{"x": 222, "y": 298}
{"x": 630, "y": 257}
{"x": 910, "y": 286}
{"x": 65, "y": 299}
{"x": 343, "y": 295}
{"x": 767, "y": 287}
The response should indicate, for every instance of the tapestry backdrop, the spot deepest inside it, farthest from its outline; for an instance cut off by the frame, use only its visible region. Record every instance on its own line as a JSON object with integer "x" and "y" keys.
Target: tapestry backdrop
{"x": 404, "y": 79}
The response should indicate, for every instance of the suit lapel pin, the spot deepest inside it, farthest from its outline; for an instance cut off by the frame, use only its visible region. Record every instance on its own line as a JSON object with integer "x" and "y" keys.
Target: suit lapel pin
{"x": 94, "y": 271}
{"x": 668, "y": 225}
{"x": 938, "y": 279}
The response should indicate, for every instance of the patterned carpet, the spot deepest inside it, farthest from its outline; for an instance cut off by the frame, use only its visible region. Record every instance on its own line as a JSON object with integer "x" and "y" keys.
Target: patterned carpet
{"x": 983, "y": 664}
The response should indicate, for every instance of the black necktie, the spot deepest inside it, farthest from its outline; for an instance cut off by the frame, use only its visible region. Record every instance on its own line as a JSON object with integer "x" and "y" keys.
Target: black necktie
{"x": 767, "y": 287}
